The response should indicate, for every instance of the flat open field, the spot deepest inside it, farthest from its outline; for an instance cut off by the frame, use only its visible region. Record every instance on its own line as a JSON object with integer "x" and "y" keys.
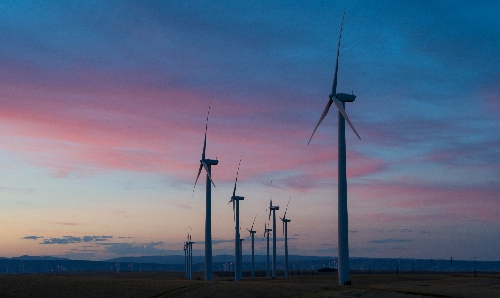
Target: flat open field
{"x": 128, "y": 284}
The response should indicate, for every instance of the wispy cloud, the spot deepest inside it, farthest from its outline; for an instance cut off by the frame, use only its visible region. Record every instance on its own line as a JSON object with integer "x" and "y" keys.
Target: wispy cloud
{"x": 390, "y": 240}
{"x": 32, "y": 237}
{"x": 73, "y": 239}
{"x": 64, "y": 223}
{"x": 134, "y": 249}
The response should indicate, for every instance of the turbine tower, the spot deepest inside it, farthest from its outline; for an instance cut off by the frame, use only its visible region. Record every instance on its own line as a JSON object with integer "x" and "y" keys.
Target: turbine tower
{"x": 340, "y": 99}
{"x": 240, "y": 254}
{"x": 267, "y": 230}
{"x": 252, "y": 233}
{"x": 236, "y": 215}
{"x": 207, "y": 165}
{"x": 285, "y": 232}
{"x": 273, "y": 209}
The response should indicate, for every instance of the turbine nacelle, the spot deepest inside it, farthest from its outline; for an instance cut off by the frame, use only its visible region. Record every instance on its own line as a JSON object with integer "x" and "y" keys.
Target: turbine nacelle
{"x": 236, "y": 198}
{"x": 344, "y": 97}
{"x": 272, "y": 208}
{"x": 212, "y": 162}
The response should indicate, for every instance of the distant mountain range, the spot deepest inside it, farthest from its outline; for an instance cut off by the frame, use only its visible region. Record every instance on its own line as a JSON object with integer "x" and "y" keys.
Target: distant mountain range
{"x": 38, "y": 264}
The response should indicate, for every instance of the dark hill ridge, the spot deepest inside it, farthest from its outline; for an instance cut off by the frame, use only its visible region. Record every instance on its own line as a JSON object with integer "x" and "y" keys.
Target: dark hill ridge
{"x": 36, "y": 264}
{"x": 179, "y": 259}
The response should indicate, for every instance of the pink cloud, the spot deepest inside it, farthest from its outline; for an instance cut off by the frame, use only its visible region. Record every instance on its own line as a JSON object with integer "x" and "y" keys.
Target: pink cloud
{"x": 417, "y": 199}
{"x": 64, "y": 223}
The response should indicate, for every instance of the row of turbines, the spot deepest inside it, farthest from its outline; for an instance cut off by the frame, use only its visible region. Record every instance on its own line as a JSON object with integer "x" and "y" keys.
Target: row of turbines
{"x": 339, "y": 99}
{"x": 238, "y": 240}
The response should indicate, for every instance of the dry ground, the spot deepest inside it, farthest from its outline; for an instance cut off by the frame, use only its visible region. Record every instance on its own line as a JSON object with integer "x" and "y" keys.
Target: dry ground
{"x": 128, "y": 284}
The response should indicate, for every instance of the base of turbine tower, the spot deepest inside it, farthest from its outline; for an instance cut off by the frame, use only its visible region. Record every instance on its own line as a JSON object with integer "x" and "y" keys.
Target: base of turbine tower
{"x": 347, "y": 283}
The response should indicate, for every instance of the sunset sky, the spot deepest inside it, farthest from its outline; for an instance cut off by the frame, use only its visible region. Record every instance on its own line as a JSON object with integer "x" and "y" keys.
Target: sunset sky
{"x": 103, "y": 107}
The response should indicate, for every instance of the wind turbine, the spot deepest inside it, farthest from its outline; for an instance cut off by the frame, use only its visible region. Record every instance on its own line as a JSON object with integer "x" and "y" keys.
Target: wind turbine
{"x": 285, "y": 231}
{"x": 185, "y": 260}
{"x": 190, "y": 257}
{"x": 236, "y": 215}
{"x": 273, "y": 209}
{"x": 252, "y": 233}
{"x": 267, "y": 230}
{"x": 340, "y": 99}
{"x": 207, "y": 165}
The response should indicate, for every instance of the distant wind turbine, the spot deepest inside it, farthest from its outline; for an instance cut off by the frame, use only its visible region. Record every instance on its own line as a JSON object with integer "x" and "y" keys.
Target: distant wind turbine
{"x": 273, "y": 210}
{"x": 340, "y": 99}
{"x": 285, "y": 231}
{"x": 236, "y": 215}
{"x": 252, "y": 233}
{"x": 266, "y": 231}
{"x": 190, "y": 258}
{"x": 207, "y": 165}
{"x": 185, "y": 260}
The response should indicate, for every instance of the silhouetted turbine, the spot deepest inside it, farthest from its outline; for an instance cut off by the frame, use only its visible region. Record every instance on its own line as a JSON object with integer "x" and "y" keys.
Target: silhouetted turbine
{"x": 273, "y": 209}
{"x": 285, "y": 232}
{"x": 266, "y": 231}
{"x": 340, "y": 99}
{"x": 207, "y": 165}
{"x": 236, "y": 215}
{"x": 252, "y": 233}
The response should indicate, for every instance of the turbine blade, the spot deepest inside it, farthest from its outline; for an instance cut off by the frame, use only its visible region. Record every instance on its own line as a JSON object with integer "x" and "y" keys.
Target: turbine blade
{"x": 234, "y": 190}
{"x": 334, "y": 84}
{"x": 208, "y": 173}
{"x": 283, "y": 228}
{"x": 341, "y": 109}
{"x": 204, "y": 143}
{"x": 198, "y": 176}
{"x": 325, "y": 111}
{"x": 206, "y": 128}
{"x": 237, "y": 171}
{"x": 234, "y": 213}
{"x": 284, "y": 216}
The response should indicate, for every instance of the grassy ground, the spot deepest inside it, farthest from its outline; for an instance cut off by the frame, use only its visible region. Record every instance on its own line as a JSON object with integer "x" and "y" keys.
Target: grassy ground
{"x": 135, "y": 284}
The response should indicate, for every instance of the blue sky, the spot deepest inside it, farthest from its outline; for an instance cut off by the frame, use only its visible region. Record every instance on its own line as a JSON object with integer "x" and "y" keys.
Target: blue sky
{"x": 103, "y": 108}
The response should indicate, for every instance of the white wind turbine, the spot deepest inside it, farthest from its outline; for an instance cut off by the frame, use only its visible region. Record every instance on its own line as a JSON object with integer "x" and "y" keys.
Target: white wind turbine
{"x": 236, "y": 215}
{"x": 266, "y": 231}
{"x": 252, "y": 233}
{"x": 285, "y": 232}
{"x": 207, "y": 165}
{"x": 340, "y": 99}
{"x": 273, "y": 209}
